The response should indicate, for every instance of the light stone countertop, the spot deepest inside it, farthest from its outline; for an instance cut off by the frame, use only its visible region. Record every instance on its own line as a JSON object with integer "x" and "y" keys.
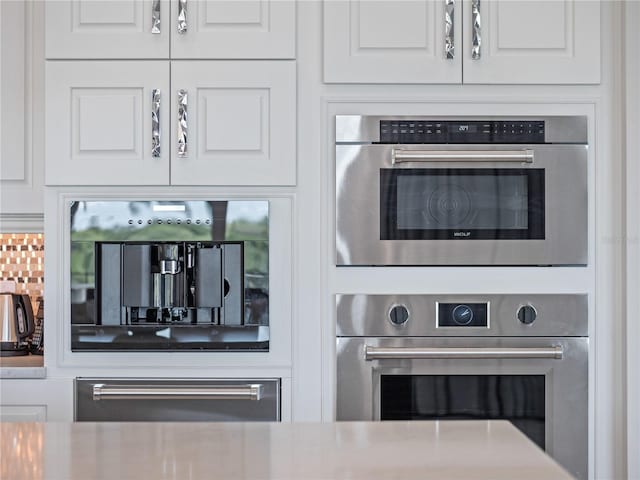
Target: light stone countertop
{"x": 443, "y": 450}
{"x": 27, "y": 366}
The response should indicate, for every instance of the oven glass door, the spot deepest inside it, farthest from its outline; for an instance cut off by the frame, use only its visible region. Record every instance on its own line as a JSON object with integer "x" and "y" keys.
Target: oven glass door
{"x": 462, "y": 203}
{"x": 517, "y": 398}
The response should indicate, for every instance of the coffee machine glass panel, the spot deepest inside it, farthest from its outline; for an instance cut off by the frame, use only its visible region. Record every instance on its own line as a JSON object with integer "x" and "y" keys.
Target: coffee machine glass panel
{"x": 170, "y": 275}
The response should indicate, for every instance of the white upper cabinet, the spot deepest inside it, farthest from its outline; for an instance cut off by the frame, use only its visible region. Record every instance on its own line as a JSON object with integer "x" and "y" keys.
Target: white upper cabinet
{"x": 94, "y": 29}
{"x": 233, "y": 29}
{"x": 221, "y": 123}
{"x": 239, "y": 122}
{"x": 101, "y": 123}
{"x": 494, "y": 41}
{"x": 153, "y": 29}
{"x": 384, "y": 41}
{"x": 533, "y": 41}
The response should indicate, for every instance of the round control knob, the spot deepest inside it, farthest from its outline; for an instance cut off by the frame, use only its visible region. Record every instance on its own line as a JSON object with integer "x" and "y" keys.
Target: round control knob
{"x": 462, "y": 314}
{"x": 398, "y": 315}
{"x": 527, "y": 314}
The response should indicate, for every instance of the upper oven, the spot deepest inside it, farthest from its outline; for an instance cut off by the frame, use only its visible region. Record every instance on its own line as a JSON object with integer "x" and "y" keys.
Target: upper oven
{"x": 461, "y": 191}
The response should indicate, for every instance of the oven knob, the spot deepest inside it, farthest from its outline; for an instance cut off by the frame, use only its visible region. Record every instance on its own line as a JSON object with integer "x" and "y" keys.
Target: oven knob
{"x": 462, "y": 314}
{"x": 398, "y": 315}
{"x": 527, "y": 314}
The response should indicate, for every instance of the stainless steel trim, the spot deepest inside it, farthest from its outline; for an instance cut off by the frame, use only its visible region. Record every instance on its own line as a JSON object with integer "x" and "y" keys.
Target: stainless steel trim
{"x": 476, "y": 26}
{"x": 155, "y": 17}
{"x": 182, "y": 123}
{"x": 103, "y": 391}
{"x": 155, "y": 122}
{"x": 408, "y": 353}
{"x": 399, "y": 155}
{"x": 182, "y": 17}
{"x": 449, "y": 15}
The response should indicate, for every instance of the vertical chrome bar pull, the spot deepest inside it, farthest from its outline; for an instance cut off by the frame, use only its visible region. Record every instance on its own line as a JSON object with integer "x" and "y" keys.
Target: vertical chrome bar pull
{"x": 155, "y": 122}
{"x": 476, "y": 26}
{"x": 155, "y": 17}
{"x": 449, "y": 12}
{"x": 182, "y": 17}
{"x": 182, "y": 123}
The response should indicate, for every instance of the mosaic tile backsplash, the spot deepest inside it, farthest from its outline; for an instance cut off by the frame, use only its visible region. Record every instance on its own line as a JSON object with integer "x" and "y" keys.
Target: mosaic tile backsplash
{"x": 22, "y": 261}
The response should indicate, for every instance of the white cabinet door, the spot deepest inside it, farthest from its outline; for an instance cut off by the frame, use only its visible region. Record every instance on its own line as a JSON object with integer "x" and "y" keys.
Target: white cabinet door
{"x": 13, "y": 167}
{"x": 392, "y": 41}
{"x": 23, "y": 413}
{"x": 95, "y": 29}
{"x": 228, "y": 29}
{"x": 533, "y": 41}
{"x": 240, "y": 123}
{"x": 99, "y": 123}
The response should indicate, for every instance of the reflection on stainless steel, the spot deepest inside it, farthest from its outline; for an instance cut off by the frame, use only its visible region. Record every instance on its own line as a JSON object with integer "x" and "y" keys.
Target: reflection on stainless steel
{"x": 183, "y": 130}
{"x": 155, "y": 123}
{"x": 370, "y": 209}
{"x": 476, "y": 26}
{"x": 533, "y": 372}
{"x": 155, "y": 17}
{"x": 182, "y": 16}
{"x": 193, "y": 270}
{"x": 449, "y": 46}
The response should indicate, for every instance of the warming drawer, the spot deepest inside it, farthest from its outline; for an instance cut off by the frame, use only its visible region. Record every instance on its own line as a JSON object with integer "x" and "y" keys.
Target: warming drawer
{"x": 177, "y": 400}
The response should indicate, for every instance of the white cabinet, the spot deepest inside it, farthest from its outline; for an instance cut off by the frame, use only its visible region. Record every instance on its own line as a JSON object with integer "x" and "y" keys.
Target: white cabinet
{"x": 239, "y": 123}
{"x": 21, "y": 169}
{"x": 495, "y": 41}
{"x": 216, "y": 29}
{"x": 23, "y": 413}
{"x": 99, "y": 119}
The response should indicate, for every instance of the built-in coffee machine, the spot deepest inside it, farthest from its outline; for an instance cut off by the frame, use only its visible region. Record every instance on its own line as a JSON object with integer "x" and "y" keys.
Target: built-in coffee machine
{"x": 168, "y": 275}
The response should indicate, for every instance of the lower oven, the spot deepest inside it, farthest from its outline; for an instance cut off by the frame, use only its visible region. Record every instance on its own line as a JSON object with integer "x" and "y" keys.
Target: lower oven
{"x": 173, "y": 400}
{"x": 522, "y": 358}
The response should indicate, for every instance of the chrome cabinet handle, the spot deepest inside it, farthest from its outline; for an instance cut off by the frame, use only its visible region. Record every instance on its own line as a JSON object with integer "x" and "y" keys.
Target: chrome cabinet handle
{"x": 103, "y": 391}
{"x": 182, "y": 123}
{"x": 444, "y": 353}
{"x": 449, "y": 11}
{"x": 182, "y": 17}
{"x": 155, "y": 122}
{"x": 155, "y": 17}
{"x": 399, "y": 155}
{"x": 475, "y": 22}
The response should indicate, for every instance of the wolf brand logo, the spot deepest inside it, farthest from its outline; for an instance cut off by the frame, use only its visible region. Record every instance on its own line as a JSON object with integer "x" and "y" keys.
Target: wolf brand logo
{"x": 463, "y": 128}
{"x": 461, "y": 234}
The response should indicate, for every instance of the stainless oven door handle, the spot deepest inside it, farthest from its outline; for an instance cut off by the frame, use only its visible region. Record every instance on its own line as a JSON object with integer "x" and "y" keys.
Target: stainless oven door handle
{"x": 410, "y": 353}
{"x": 399, "y": 155}
{"x": 154, "y": 392}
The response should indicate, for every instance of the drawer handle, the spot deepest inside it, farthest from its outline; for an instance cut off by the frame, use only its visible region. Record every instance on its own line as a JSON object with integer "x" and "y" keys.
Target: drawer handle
{"x": 444, "y": 353}
{"x": 155, "y": 123}
{"x": 399, "y": 155}
{"x": 155, "y": 17}
{"x": 103, "y": 391}
{"x": 449, "y": 15}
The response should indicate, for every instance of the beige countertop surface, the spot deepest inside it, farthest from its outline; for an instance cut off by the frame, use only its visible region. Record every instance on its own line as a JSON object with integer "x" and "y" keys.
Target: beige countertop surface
{"x": 469, "y": 450}
{"x": 27, "y": 366}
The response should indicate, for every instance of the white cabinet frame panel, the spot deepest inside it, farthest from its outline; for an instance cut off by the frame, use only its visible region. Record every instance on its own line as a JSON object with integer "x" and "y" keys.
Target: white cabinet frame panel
{"x": 242, "y": 29}
{"x": 534, "y": 42}
{"x": 96, "y": 29}
{"x": 376, "y": 41}
{"x": 99, "y": 123}
{"x": 241, "y": 123}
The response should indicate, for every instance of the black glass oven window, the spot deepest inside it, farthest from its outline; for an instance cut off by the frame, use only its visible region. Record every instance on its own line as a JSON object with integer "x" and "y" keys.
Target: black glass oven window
{"x": 517, "y": 398}
{"x": 461, "y": 204}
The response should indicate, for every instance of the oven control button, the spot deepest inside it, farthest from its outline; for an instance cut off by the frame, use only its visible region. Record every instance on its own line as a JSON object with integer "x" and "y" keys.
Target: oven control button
{"x": 462, "y": 314}
{"x": 398, "y": 315}
{"x": 527, "y": 314}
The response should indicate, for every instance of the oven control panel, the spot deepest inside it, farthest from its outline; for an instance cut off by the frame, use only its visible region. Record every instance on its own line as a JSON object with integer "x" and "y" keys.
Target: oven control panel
{"x": 463, "y": 315}
{"x": 475, "y": 131}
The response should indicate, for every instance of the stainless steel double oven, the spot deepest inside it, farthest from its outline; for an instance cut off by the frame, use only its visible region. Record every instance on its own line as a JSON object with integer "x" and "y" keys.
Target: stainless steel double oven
{"x": 461, "y": 191}
{"x": 465, "y": 191}
{"x": 521, "y": 358}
